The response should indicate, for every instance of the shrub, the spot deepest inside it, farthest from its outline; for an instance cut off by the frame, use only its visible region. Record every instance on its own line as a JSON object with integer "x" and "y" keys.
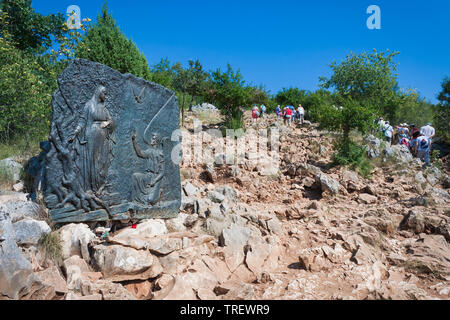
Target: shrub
{"x": 51, "y": 245}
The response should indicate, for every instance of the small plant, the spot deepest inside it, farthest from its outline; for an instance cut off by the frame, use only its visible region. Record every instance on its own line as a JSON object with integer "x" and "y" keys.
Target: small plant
{"x": 353, "y": 155}
{"x": 435, "y": 159}
{"x": 6, "y": 175}
{"x": 51, "y": 245}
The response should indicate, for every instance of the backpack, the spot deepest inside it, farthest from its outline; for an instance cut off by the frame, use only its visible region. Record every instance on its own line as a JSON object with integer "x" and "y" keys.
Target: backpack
{"x": 405, "y": 142}
{"x": 423, "y": 144}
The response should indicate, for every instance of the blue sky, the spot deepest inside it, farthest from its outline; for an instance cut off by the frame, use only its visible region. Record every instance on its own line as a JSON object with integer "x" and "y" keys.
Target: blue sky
{"x": 284, "y": 43}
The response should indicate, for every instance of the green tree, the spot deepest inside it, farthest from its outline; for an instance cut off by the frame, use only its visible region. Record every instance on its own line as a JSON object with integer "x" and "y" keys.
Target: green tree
{"x": 188, "y": 82}
{"x": 369, "y": 78}
{"x": 413, "y": 109}
{"x": 163, "y": 73}
{"x": 227, "y": 91}
{"x": 29, "y": 31}
{"x": 198, "y": 76}
{"x": 314, "y": 101}
{"x": 105, "y": 43}
{"x": 442, "y": 112}
{"x": 25, "y": 93}
{"x": 291, "y": 96}
{"x": 348, "y": 115}
{"x": 181, "y": 82}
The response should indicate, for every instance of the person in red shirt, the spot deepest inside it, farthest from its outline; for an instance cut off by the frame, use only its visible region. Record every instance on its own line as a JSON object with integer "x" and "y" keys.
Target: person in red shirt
{"x": 287, "y": 115}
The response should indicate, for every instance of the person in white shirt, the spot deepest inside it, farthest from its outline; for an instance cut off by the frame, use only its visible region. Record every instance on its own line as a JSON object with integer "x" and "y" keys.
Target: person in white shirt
{"x": 300, "y": 114}
{"x": 388, "y": 131}
{"x": 429, "y": 132}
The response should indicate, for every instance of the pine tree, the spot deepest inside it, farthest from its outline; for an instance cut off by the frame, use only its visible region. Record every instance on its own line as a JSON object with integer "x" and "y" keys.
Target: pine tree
{"x": 106, "y": 44}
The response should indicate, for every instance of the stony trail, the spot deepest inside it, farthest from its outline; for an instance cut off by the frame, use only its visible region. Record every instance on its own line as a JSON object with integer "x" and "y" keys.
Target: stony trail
{"x": 305, "y": 231}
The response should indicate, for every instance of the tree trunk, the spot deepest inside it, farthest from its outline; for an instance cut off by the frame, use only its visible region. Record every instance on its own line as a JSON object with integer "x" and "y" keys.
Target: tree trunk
{"x": 182, "y": 110}
{"x": 190, "y": 104}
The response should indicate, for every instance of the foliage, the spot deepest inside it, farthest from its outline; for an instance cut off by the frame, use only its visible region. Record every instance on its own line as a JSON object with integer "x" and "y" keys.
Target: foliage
{"x": 369, "y": 78}
{"x": 442, "y": 112}
{"x": 26, "y": 86}
{"x": 105, "y": 43}
{"x": 228, "y": 92}
{"x": 347, "y": 116}
{"x": 163, "y": 73}
{"x": 413, "y": 109}
{"x": 291, "y": 96}
{"x": 314, "y": 101}
{"x": 29, "y": 31}
{"x": 351, "y": 154}
{"x": 188, "y": 82}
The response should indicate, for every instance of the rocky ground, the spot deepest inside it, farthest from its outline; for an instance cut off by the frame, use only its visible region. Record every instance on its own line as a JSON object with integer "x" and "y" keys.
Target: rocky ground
{"x": 306, "y": 231}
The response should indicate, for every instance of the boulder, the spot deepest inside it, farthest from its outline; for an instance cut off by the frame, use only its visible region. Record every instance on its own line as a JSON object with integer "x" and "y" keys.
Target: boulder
{"x": 433, "y": 175}
{"x": 119, "y": 263}
{"x": 430, "y": 254}
{"x": 75, "y": 239}
{"x": 178, "y": 289}
{"x": 414, "y": 221}
{"x": 420, "y": 179}
{"x": 51, "y": 277}
{"x": 230, "y": 193}
{"x": 16, "y": 274}
{"x": 190, "y": 190}
{"x": 141, "y": 290}
{"x": 73, "y": 268}
{"x": 29, "y": 231}
{"x": 12, "y": 167}
{"x": 234, "y": 236}
{"x": 373, "y": 145}
{"x": 308, "y": 170}
{"x": 19, "y": 209}
{"x": 216, "y": 220}
{"x": 177, "y": 224}
{"x": 367, "y": 198}
{"x": 328, "y": 184}
{"x": 147, "y": 229}
{"x": 216, "y": 196}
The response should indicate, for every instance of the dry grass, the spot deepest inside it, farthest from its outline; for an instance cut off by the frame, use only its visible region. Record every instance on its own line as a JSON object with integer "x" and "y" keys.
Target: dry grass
{"x": 51, "y": 246}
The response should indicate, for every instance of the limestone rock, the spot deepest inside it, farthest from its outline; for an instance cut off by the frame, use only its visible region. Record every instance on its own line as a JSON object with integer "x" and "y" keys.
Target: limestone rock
{"x": 367, "y": 198}
{"x": 19, "y": 209}
{"x": 11, "y": 166}
{"x": 16, "y": 275}
{"x": 429, "y": 254}
{"x": 28, "y": 231}
{"x": 52, "y": 277}
{"x": 177, "y": 224}
{"x": 178, "y": 289}
{"x": 119, "y": 263}
{"x": 234, "y": 236}
{"x": 75, "y": 239}
{"x": 190, "y": 190}
{"x": 328, "y": 184}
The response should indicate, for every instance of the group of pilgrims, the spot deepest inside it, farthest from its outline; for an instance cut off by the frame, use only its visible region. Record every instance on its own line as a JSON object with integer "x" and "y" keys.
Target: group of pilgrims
{"x": 418, "y": 141}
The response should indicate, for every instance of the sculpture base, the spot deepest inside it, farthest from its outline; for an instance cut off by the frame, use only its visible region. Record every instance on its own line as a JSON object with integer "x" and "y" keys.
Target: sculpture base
{"x": 126, "y": 211}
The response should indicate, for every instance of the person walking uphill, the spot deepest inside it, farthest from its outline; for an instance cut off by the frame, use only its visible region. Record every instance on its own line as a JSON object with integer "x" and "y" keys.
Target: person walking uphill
{"x": 278, "y": 111}
{"x": 300, "y": 114}
{"x": 388, "y": 131}
{"x": 423, "y": 149}
{"x": 287, "y": 115}
{"x": 263, "y": 110}
{"x": 255, "y": 114}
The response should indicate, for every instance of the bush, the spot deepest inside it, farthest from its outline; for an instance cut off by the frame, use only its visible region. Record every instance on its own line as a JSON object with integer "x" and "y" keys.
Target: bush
{"x": 51, "y": 245}
{"x": 349, "y": 153}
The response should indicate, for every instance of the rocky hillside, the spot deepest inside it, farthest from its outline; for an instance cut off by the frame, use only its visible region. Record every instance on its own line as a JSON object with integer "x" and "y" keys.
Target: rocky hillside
{"x": 305, "y": 231}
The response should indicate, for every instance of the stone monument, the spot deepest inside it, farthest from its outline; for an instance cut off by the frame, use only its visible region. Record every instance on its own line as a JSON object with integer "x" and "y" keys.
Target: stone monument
{"x": 112, "y": 139}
